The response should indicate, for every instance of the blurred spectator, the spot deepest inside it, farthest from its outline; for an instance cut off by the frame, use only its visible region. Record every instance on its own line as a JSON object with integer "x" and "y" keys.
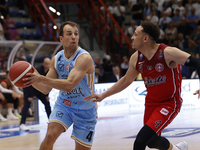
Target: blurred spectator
{"x": 97, "y": 61}
{"x": 2, "y": 38}
{"x": 107, "y": 65}
{"x": 185, "y": 72}
{"x": 119, "y": 12}
{"x": 170, "y": 33}
{"x": 124, "y": 65}
{"x": 197, "y": 7}
{"x": 180, "y": 7}
{"x": 188, "y": 7}
{"x": 137, "y": 12}
{"x": 131, "y": 29}
{"x": 98, "y": 75}
{"x": 148, "y": 7}
{"x": 12, "y": 96}
{"x": 131, "y": 3}
{"x": 159, "y": 6}
{"x": 116, "y": 73}
{"x": 192, "y": 21}
{"x": 110, "y": 8}
{"x": 152, "y": 17}
{"x": 1, "y": 19}
{"x": 164, "y": 20}
{"x": 162, "y": 36}
{"x": 113, "y": 76}
{"x": 179, "y": 21}
{"x": 2, "y": 99}
{"x": 10, "y": 25}
{"x": 194, "y": 74}
{"x": 4, "y": 8}
{"x": 182, "y": 43}
{"x": 196, "y": 37}
{"x": 167, "y": 8}
{"x": 173, "y": 5}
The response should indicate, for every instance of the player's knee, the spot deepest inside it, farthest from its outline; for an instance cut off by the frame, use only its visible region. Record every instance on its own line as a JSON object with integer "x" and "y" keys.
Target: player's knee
{"x": 159, "y": 143}
{"x": 50, "y": 137}
{"x": 139, "y": 145}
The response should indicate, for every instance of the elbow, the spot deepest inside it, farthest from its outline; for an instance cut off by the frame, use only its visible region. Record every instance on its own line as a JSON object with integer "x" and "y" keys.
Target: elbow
{"x": 68, "y": 88}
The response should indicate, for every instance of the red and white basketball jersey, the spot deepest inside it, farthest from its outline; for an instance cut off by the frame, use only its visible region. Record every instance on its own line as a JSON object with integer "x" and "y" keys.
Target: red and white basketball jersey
{"x": 162, "y": 82}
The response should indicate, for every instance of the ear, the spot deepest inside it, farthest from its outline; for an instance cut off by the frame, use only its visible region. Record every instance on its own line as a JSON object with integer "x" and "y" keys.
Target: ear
{"x": 146, "y": 38}
{"x": 60, "y": 37}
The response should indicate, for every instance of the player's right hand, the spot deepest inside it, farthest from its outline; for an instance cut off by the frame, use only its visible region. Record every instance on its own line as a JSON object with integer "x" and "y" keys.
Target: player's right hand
{"x": 95, "y": 97}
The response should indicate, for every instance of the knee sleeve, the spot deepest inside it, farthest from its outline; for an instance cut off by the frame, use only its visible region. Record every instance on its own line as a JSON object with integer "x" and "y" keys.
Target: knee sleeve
{"x": 144, "y": 136}
{"x": 159, "y": 143}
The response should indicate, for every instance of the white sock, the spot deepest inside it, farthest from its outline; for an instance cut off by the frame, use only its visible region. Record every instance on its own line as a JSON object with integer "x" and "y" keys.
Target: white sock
{"x": 15, "y": 111}
{"x": 175, "y": 147}
{"x": 10, "y": 111}
{"x": 19, "y": 109}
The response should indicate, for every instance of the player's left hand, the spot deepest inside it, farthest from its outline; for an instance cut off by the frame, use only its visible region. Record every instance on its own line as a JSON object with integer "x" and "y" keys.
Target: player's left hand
{"x": 197, "y": 92}
{"x": 32, "y": 78}
{"x": 95, "y": 97}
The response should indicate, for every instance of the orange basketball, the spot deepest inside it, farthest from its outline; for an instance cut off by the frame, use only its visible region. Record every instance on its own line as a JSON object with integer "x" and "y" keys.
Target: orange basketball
{"x": 18, "y": 71}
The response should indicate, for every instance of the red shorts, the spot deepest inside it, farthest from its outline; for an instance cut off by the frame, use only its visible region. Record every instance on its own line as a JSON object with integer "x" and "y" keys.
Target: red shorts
{"x": 157, "y": 117}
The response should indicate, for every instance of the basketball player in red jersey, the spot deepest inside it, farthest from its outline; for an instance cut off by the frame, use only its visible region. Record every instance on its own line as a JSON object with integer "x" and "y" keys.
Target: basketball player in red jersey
{"x": 160, "y": 69}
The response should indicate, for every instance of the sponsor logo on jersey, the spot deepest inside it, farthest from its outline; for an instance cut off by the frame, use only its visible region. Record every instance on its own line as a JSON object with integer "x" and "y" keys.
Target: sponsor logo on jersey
{"x": 149, "y": 67}
{"x": 159, "y": 67}
{"x": 59, "y": 114}
{"x": 140, "y": 68}
{"x": 164, "y": 111}
{"x": 60, "y": 67}
{"x": 155, "y": 81}
{"x": 78, "y": 91}
{"x": 160, "y": 54}
{"x": 67, "y": 67}
{"x": 141, "y": 57}
{"x": 67, "y": 102}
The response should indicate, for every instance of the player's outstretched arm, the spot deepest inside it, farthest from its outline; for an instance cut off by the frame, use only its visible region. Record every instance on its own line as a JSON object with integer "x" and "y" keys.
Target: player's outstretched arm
{"x": 121, "y": 84}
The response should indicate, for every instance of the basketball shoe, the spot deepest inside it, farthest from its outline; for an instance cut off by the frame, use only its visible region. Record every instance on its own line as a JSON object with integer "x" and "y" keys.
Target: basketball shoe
{"x": 2, "y": 118}
{"x": 182, "y": 145}
{"x": 23, "y": 127}
{"x": 12, "y": 117}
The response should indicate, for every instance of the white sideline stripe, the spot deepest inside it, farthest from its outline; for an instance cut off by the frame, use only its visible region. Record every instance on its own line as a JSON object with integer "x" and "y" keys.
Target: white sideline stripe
{"x": 21, "y": 75}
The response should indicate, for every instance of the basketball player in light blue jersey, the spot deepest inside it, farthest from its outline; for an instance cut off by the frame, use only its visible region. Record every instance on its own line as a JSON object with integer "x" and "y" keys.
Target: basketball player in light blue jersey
{"x": 72, "y": 72}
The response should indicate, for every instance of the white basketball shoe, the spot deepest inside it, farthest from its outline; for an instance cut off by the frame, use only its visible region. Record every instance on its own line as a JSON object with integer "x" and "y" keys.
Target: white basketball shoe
{"x": 23, "y": 127}
{"x": 182, "y": 145}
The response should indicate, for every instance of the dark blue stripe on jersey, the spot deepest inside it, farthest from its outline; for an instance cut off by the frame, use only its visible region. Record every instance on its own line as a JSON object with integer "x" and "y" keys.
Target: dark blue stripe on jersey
{"x": 76, "y": 55}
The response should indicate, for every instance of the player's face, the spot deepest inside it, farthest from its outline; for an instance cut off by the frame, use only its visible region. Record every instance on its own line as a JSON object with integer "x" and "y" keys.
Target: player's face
{"x": 70, "y": 37}
{"x": 137, "y": 38}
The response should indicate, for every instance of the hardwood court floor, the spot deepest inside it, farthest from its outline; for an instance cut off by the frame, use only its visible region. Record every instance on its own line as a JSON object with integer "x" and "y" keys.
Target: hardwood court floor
{"x": 111, "y": 134}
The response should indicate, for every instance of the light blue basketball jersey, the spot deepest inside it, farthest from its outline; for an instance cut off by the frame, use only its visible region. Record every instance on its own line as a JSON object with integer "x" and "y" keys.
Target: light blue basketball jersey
{"x": 85, "y": 87}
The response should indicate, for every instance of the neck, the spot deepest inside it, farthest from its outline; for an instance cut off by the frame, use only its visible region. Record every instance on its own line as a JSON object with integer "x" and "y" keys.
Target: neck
{"x": 150, "y": 50}
{"x": 69, "y": 52}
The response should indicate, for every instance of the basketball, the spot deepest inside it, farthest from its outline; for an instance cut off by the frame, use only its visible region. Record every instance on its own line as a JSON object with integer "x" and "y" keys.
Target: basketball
{"x": 18, "y": 71}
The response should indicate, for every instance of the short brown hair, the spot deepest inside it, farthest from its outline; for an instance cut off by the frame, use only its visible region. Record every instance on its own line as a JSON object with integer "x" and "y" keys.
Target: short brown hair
{"x": 151, "y": 29}
{"x": 73, "y": 24}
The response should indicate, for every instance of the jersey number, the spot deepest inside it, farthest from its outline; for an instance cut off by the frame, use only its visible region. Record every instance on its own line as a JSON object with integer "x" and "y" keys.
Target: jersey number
{"x": 89, "y": 136}
{"x": 158, "y": 123}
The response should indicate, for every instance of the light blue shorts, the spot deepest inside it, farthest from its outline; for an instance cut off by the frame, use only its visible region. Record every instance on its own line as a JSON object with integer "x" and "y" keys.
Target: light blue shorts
{"x": 83, "y": 121}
